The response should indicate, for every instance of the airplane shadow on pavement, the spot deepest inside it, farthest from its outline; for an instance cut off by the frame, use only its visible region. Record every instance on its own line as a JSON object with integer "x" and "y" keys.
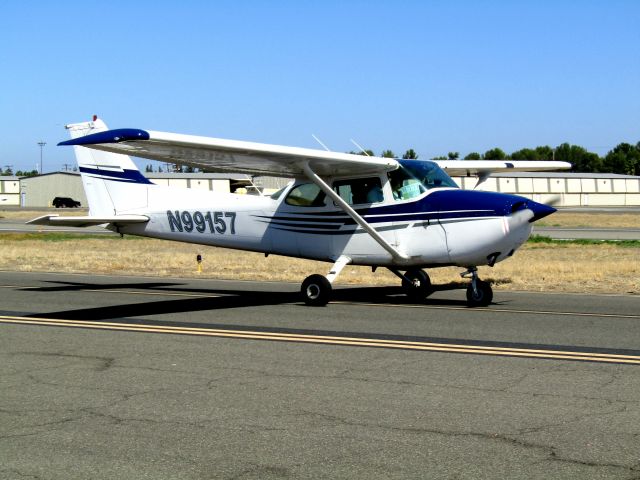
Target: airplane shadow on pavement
{"x": 214, "y": 299}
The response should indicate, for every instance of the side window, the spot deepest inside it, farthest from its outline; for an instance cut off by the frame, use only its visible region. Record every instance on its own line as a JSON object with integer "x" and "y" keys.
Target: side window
{"x": 306, "y": 195}
{"x": 359, "y": 190}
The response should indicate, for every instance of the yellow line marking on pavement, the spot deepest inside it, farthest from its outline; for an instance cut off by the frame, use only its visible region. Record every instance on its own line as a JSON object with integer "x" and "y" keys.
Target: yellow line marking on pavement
{"x": 331, "y": 340}
{"x": 492, "y": 310}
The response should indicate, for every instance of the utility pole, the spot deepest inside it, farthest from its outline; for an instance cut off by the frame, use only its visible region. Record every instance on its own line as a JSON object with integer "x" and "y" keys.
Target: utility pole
{"x": 41, "y": 144}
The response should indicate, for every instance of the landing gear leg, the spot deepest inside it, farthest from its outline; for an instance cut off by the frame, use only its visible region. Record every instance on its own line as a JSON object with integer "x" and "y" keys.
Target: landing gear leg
{"x": 316, "y": 289}
{"x": 415, "y": 283}
{"x": 479, "y": 293}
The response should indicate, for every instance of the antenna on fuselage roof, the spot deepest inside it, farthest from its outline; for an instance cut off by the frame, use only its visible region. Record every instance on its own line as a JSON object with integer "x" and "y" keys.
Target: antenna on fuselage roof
{"x": 320, "y": 142}
{"x": 359, "y": 146}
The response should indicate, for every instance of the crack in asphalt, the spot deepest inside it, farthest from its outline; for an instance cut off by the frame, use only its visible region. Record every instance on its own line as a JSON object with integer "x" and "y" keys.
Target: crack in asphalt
{"x": 550, "y": 450}
{"x": 14, "y": 471}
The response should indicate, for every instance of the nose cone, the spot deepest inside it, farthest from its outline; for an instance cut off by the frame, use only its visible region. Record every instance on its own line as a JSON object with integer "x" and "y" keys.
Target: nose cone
{"x": 540, "y": 210}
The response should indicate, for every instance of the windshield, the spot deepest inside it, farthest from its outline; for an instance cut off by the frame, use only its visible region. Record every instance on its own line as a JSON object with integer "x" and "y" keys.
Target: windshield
{"x": 414, "y": 177}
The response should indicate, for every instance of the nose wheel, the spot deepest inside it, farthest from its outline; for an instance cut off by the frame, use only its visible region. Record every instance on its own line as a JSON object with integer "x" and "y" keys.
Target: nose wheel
{"x": 479, "y": 293}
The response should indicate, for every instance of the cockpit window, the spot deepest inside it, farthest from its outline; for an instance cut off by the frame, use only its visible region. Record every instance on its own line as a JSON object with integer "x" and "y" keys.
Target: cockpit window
{"x": 413, "y": 178}
{"x": 306, "y": 195}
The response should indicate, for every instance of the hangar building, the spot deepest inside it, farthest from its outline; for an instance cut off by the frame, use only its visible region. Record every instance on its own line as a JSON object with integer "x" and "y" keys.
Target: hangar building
{"x": 573, "y": 189}
{"x": 40, "y": 190}
{"x": 9, "y": 190}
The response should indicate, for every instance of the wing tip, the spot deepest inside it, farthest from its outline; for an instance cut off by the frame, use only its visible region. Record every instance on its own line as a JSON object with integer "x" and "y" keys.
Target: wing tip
{"x": 109, "y": 136}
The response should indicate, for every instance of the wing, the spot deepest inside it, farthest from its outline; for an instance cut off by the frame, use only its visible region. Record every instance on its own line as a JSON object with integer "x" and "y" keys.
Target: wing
{"x": 483, "y": 168}
{"x": 220, "y": 155}
{"x": 55, "y": 220}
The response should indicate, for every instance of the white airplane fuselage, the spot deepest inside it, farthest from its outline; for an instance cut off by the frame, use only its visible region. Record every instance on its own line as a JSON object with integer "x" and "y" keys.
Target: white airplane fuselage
{"x": 442, "y": 226}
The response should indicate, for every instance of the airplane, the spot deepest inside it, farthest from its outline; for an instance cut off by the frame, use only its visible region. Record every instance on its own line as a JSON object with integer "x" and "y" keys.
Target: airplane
{"x": 342, "y": 208}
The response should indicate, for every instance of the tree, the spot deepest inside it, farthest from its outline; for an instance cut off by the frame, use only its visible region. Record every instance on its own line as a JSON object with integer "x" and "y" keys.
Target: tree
{"x": 580, "y": 159}
{"x": 453, "y": 155}
{"x": 623, "y": 159}
{"x": 387, "y": 154}
{"x": 26, "y": 173}
{"x": 473, "y": 156}
{"x": 545, "y": 152}
{"x": 410, "y": 155}
{"x": 440, "y": 157}
{"x": 495, "y": 154}
{"x": 367, "y": 153}
{"x": 525, "y": 154}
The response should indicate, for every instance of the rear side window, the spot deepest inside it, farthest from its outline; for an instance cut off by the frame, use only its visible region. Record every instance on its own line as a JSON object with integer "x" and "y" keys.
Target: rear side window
{"x": 306, "y": 195}
{"x": 359, "y": 190}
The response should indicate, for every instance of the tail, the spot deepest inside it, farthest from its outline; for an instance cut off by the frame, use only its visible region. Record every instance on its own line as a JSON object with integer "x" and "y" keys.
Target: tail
{"x": 112, "y": 182}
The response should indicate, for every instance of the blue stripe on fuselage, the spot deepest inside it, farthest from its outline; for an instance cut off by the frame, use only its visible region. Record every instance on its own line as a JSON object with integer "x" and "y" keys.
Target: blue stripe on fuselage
{"x": 129, "y": 176}
{"x": 443, "y": 205}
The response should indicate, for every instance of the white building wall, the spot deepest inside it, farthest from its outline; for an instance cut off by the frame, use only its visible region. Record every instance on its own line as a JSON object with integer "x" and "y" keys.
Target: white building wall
{"x": 178, "y": 182}
{"x": 220, "y": 186}
{"x": 525, "y": 185}
{"x": 572, "y": 191}
{"x": 619, "y": 185}
{"x": 588, "y": 185}
{"x": 633, "y": 186}
{"x": 540, "y": 185}
{"x": 199, "y": 184}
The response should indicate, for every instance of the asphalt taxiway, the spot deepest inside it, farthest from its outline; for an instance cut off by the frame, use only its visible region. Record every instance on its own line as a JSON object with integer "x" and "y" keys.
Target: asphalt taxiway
{"x": 104, "y": 377}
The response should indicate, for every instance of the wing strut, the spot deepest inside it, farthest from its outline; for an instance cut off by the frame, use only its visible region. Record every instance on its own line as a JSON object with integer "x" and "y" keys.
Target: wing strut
{"x": 352, "y": 213}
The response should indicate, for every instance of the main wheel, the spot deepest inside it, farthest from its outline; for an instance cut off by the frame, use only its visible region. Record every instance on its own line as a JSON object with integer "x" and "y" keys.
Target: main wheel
{"x": 316, "y": 290}
{"x": 482, "y": 296}
{"x": 419, "y": 285}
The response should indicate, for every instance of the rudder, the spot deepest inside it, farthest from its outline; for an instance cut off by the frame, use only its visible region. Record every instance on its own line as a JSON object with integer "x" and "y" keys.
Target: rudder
{"x": 112, "y": 182}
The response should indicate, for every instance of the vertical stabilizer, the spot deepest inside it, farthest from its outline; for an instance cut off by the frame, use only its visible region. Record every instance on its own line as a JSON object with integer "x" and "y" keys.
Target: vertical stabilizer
{"x": 112, "y": 182}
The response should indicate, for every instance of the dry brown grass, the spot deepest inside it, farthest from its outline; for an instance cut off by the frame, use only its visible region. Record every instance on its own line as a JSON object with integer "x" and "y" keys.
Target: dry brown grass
{"x": 591, "y": 219}
{"x": 542, "y": 267}
{"x": 31, "y": 214}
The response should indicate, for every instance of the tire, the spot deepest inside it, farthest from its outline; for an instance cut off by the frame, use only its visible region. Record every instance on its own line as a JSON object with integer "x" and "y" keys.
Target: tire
{"x": 481, "y": 298}
{"x": 316, "y": 290}
{"x": 420, "y": 286}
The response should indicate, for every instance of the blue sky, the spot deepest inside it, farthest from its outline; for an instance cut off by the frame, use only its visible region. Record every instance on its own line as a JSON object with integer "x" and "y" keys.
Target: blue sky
{"x": 434, "y": 76}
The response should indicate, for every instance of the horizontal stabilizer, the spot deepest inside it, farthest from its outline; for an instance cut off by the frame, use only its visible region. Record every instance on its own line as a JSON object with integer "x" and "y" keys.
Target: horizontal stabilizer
{"x": 58, "y": 221}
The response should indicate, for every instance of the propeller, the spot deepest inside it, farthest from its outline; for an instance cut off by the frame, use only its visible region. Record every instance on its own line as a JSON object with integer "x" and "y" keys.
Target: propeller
{"x": 519, "y": 218}
{"x": 530, "y": 211}
{"x": 552, "y": 201}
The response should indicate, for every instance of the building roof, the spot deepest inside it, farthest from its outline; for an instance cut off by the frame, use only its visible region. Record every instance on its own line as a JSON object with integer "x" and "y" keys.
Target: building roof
{"x": 74, "y": 174}
{"x": 8, "y": 178}
{"x": 563, "y": 175}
